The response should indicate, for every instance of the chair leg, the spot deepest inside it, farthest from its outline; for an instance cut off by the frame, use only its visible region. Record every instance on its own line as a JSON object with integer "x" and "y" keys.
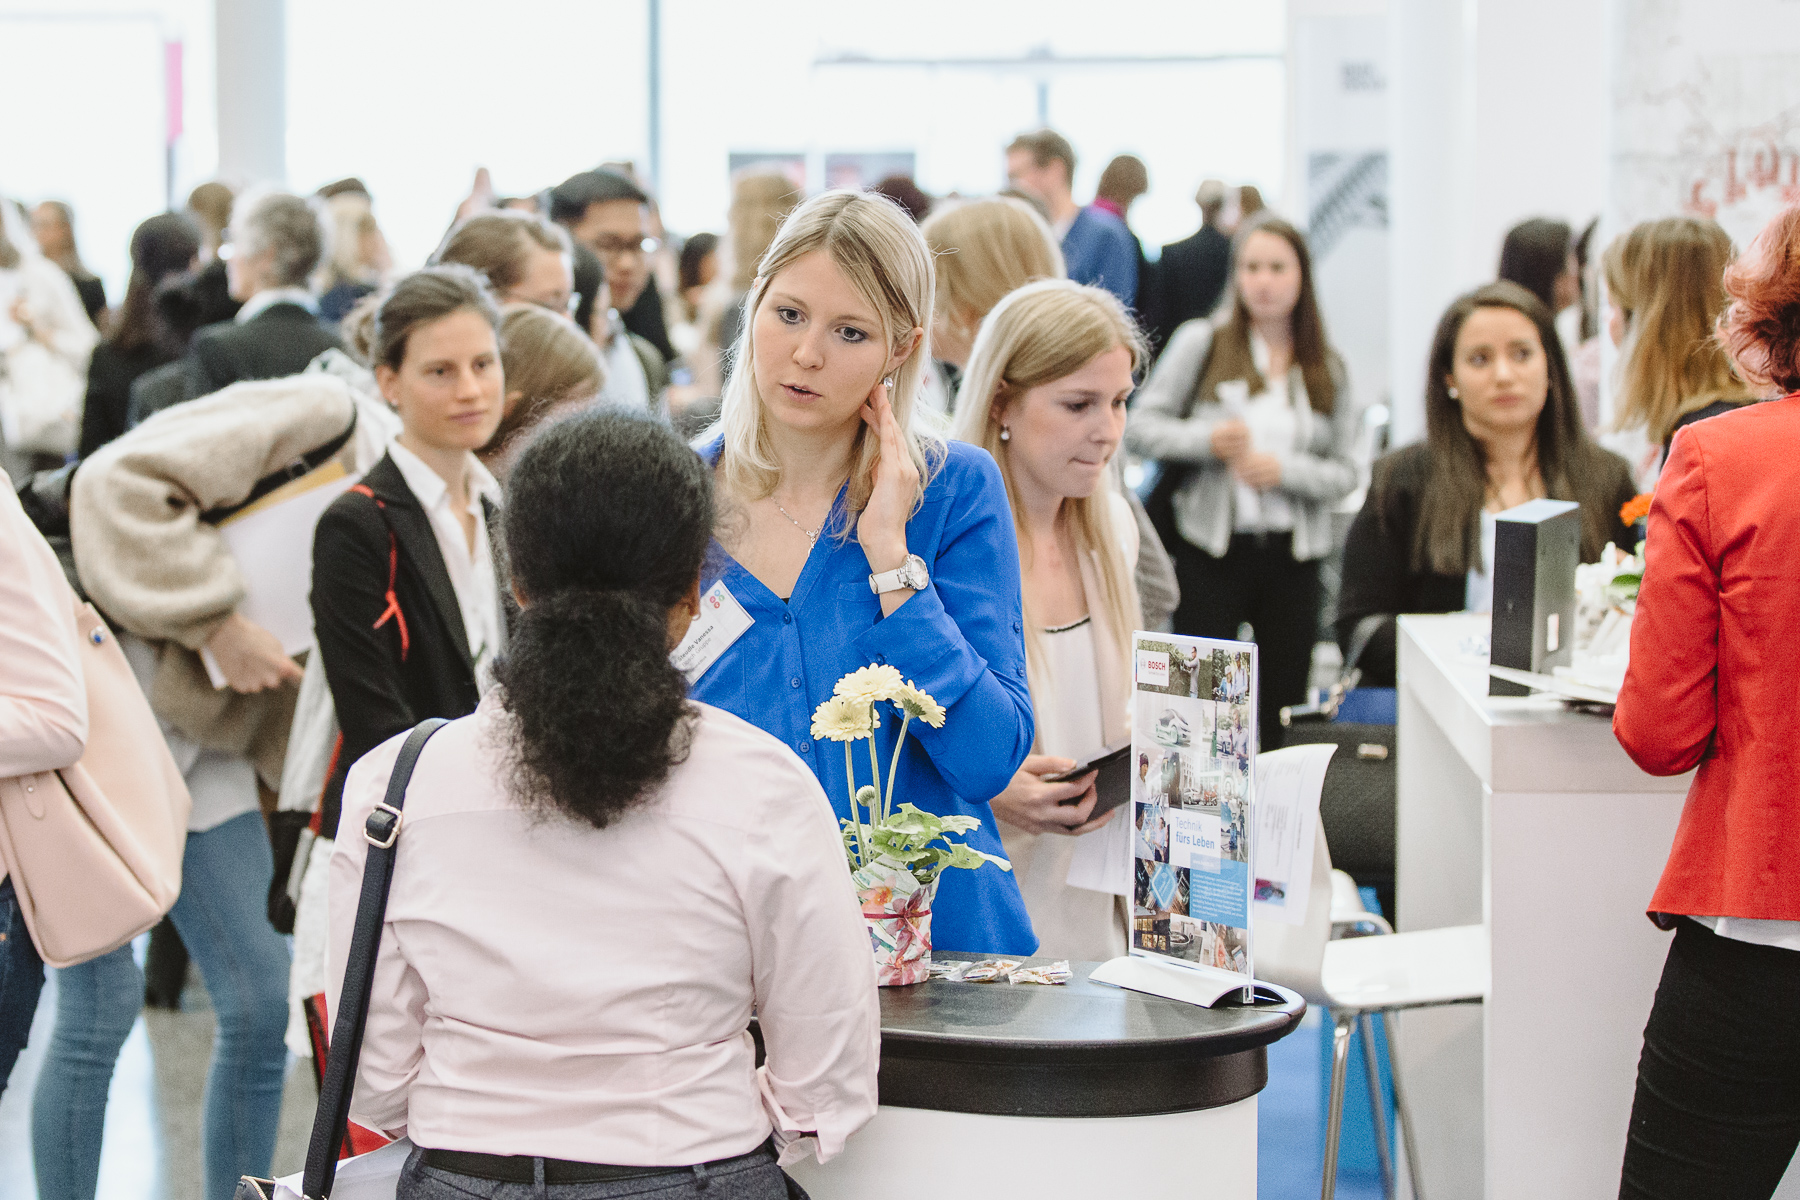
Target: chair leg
{"x": 1334, "y": 1119}
{"x": 1402, "y": 1112}
{"x": 1377, "y": 1105}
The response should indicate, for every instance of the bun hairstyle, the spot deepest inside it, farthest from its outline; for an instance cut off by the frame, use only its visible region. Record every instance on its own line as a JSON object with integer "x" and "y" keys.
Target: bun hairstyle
{"x": 376, "y": 330}
{"x": 599, "y": 713}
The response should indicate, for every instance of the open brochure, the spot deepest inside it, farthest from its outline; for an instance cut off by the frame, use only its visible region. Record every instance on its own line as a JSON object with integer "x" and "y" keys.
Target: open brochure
{"x": 272, "y": 542}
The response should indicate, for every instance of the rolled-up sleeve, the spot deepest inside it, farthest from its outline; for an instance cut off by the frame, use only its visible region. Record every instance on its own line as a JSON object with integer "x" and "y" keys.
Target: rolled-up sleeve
{"x": 814, "y": 979}
{"x": 962, "y": 638}
{"x": 1668, "y": 707}
{"x": 393, "y": 1038}
{"x": 43, "y": 697}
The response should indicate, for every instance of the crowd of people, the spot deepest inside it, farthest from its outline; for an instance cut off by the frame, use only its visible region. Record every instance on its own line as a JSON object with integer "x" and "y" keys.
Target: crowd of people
{"x": 889, "y": 429}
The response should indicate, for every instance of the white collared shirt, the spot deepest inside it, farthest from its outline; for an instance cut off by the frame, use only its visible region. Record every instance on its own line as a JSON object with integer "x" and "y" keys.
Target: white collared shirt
{"x": 1275, "y": 417}
{"x": 626, "y": 386}
{"x": 256, "y": 305}
{"x": 471, "y": 570}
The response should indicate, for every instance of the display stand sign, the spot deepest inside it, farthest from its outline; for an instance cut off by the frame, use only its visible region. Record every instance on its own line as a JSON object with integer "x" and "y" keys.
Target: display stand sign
{"x": 1193, "y": 746}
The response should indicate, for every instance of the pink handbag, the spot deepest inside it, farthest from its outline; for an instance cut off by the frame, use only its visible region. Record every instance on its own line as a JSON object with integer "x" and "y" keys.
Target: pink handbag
{"x": 94, "y": 850}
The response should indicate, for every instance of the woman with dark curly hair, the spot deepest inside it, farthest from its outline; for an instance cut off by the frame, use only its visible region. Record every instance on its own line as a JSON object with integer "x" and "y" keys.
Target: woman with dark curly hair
{"x": 602, "y": 880}
{"x": 1711, "y": 683}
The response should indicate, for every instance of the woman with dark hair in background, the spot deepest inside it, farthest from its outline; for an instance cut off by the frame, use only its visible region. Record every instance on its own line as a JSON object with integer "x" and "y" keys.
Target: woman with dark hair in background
{"x": 1539, "y": 256}
{"x": 405, "y": 599}
{"x": 1710, "y": 686}
{"x": 53, "y": 225}
{"x": 1501, "y": 427}
{"x": 164, "y": 247}
{"x": 1254, "y": 425}
{"x": 520, "y": 1042}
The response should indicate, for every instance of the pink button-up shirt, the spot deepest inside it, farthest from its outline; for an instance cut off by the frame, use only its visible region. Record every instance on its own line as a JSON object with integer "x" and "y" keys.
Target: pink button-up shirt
{"x": 547, "y": 988}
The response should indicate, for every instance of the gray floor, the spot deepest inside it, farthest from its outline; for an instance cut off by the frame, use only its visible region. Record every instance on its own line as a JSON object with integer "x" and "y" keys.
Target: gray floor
{"x": 152, "y": 1147}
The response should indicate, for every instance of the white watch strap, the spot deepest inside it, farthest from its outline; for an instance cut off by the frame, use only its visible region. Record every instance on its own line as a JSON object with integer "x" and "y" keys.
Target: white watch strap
{"x": 896, "y": 579}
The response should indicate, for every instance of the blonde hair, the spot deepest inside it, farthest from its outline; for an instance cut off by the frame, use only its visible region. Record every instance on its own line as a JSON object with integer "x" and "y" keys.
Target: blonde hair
{"x": 879, "y": 250}
{"x": 351, "y": 218}
{"x": 760, "y": 202}
{"x": 1041, "y": 333}
{"x": 985, "y": 249}
{"x": 1668, "y": 277}
{"x": 547, "y": 357}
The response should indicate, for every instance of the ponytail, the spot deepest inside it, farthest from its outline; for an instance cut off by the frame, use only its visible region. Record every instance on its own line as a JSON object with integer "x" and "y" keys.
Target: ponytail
{"x": 607, "y": 519}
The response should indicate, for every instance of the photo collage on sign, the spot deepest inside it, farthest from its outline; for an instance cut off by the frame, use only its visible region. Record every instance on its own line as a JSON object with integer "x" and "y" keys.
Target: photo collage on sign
{"x": 1195, "y": 727}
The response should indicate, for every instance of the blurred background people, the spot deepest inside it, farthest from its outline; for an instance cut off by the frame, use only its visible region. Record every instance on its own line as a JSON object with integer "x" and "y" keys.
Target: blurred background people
{"x": 1539, "y": 256}
{"x": 46, "y": 339}
{"x": 907, "y": 194}
{"x": 1096, "y": 246}
{"x": 1191, "y": 274}
{"x": 164, "y": 247}
{"x": 524, "y": 258}
{"x": 1502, "y": 427}
{"x": 760, "y": 202}
{"x": 1665, "y": 285}
{"x": 53, "y": 225}
{"x": 1254, "y": 424}
{"x": 358, "y": 259}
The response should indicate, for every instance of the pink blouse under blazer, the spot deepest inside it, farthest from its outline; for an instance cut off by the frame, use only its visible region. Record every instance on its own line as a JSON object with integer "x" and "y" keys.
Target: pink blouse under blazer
{"x": 547, "y": 988}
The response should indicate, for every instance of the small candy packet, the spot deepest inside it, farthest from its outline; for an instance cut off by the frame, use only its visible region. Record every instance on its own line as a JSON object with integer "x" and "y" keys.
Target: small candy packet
{"x": 989, "y": 970}
{"x": 1046, "y": 973}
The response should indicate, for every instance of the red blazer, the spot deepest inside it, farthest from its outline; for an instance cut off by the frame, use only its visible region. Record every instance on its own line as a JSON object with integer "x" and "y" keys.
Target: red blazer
{"x": 1715, "y": 663}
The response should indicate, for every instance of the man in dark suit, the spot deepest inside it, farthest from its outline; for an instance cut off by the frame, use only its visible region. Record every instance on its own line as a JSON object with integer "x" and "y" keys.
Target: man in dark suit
{"x": 1192, "y": 273}
{"x": 276, "y": 243}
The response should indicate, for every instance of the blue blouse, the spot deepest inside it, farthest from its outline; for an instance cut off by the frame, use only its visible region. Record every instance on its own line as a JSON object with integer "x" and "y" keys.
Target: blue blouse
{"x": 961, "y": 639}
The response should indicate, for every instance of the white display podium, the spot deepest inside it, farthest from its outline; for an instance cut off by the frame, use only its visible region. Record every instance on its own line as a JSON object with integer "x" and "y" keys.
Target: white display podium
{"x": 1528, "y": 817}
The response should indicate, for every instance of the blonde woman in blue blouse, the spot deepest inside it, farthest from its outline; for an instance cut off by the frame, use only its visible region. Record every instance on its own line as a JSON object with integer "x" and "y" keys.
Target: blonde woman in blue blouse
{"x": 848, "y": 537}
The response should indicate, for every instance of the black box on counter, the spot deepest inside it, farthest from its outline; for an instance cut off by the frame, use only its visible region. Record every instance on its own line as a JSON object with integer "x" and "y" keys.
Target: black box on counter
{"x": 1536, "y": 549}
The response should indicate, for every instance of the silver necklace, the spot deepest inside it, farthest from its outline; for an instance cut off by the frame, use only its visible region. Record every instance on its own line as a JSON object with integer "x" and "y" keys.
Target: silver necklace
{"x": 812, "y": 535}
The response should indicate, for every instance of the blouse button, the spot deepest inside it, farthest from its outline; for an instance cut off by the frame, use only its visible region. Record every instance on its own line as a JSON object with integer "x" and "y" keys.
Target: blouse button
{"x": 787, "y": 618}
{"x": 794, "y": 682}
{"x": 806, "y": 747}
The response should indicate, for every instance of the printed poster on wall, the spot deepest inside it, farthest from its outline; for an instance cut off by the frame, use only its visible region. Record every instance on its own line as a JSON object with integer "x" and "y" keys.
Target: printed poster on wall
{"x": 1193, "y": 746}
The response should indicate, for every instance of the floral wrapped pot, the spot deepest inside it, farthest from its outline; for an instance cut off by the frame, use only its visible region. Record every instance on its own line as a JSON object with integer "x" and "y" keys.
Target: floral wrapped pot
{"x": 897, "y": 909}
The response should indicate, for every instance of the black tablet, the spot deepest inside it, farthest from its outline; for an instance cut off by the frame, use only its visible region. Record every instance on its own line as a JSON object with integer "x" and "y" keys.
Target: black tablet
{"x": 1113, "y": 787}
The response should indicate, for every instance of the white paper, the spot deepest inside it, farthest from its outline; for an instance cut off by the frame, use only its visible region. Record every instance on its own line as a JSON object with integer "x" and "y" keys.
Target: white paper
{"x": 721, "y": 622}
{"x": 371, "y": 1176}
{"x": 1288, "y": 786}
{"x": 1102, "y": 859}
{"x": 272, "y": 542}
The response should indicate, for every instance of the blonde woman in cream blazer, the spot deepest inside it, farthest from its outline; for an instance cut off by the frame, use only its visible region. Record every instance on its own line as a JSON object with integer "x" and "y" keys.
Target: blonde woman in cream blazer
{"x": 1045, "y": 394}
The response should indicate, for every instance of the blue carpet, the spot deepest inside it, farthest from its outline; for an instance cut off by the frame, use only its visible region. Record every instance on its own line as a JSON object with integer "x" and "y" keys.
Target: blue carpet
{"x": 1290, "y": 1141}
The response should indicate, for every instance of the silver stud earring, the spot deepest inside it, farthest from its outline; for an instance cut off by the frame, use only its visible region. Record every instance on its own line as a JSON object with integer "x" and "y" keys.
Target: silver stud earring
{"x": 1455, "y": 395}
{"x": 1005, "y": 433}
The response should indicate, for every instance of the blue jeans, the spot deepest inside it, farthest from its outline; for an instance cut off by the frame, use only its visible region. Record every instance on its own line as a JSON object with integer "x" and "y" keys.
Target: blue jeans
{"x": 21, "y": 978}
{"x": 222, "y": 917}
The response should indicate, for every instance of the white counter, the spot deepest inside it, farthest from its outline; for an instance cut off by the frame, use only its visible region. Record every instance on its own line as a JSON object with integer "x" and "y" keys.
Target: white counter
{"x": 1528, "y": 817}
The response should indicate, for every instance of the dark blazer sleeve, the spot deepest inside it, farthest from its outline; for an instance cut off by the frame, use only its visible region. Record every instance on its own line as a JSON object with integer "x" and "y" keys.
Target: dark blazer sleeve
{"x": 103, "y": 411}
{"x": 1377, "y": 566}
{"x": 362, "y": 662}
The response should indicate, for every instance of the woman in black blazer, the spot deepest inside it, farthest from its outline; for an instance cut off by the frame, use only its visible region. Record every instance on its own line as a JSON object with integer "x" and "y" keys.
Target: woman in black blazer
{"x": 1502, "y": 427}
{"x": 406, "y": 590}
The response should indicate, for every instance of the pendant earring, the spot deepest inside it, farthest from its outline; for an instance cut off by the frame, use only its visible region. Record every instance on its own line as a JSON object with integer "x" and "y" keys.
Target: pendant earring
{"x": 888, "y": 382}
{"x": 1005, "y": 433}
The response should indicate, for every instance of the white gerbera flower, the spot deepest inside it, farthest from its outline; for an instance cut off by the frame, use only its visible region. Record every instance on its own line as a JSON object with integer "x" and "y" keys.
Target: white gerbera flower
{"x": 918, "y": 704}
{"x": 868, "y": 685}
{"x": 844, "y": 719}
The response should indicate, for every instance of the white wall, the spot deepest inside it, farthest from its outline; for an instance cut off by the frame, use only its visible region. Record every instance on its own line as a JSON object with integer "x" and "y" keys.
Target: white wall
{"x": 1498, "y": 113}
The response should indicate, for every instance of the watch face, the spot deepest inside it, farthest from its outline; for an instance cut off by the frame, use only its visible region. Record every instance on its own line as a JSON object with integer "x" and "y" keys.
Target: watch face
{"x": 912, "y": 572}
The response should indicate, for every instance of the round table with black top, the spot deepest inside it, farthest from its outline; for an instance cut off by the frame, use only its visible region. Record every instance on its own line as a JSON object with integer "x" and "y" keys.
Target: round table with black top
{"x": 1080, "y": 1090}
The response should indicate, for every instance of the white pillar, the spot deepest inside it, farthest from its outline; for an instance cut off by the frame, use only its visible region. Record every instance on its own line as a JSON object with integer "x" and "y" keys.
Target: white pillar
{"x": 1498, "y": 113}
{"x": 251, "y": 53}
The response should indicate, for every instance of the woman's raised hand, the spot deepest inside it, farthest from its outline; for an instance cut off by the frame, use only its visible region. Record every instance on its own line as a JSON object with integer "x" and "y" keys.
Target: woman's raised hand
{"x": 881, "y": 529}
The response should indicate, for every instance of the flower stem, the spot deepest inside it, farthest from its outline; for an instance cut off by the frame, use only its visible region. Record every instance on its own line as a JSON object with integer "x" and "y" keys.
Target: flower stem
{"x": 875, "y": 762}
{"x": 888, "y": 800}
{"x": 862, "y": 846}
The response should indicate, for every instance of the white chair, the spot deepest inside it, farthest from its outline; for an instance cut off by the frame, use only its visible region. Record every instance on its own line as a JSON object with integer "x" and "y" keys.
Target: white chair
{"x": 1358, "y": 977}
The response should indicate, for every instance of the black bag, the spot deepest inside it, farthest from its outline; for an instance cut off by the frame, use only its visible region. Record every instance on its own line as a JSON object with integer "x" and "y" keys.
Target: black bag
{"x": 1358, "y": 808}
{"x": 382, "y": 830}
{"x": 1159, "y": 503}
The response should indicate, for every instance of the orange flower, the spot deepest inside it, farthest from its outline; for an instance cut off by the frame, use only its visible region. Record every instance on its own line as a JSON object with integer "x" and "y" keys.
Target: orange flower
{"x": 1636, "y": 509}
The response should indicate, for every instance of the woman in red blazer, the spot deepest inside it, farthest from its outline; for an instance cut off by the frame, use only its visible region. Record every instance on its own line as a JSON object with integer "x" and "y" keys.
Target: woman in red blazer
{"x": 1715, "y": 683}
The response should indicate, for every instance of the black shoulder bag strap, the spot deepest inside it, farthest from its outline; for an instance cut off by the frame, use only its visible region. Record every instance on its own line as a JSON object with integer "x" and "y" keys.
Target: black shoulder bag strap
{"x": 279, "y": 478}
{"x": 1173, "y": 476}
{"x": 382, "y": 831}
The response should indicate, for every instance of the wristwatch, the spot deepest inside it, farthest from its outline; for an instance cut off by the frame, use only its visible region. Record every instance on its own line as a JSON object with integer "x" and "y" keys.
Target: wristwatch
{"x": 909, "y": 574}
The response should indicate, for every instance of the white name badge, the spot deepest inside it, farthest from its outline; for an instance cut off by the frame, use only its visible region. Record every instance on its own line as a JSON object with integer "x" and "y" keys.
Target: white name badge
{"x": 721, "y": 622}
